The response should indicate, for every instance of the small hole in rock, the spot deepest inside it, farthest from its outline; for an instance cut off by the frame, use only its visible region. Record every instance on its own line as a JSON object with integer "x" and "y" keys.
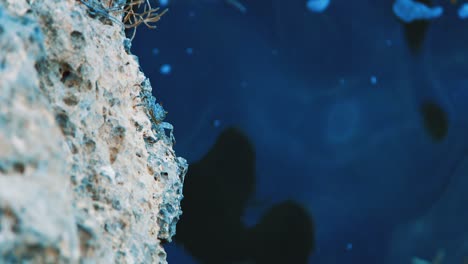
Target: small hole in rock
{"x": 19, "y": 167}
{"x": 70, "y": 100}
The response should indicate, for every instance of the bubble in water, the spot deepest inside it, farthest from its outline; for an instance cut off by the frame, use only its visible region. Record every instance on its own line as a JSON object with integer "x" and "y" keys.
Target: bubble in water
{"x": 165, "y": 69}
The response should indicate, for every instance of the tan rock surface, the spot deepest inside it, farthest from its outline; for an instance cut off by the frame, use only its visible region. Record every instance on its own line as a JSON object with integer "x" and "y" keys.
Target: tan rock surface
{"x": 86, "y": 173}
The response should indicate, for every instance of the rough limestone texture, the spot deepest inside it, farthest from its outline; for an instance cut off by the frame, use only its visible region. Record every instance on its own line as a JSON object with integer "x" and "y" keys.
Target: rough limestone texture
{"x": 87, "y": 169}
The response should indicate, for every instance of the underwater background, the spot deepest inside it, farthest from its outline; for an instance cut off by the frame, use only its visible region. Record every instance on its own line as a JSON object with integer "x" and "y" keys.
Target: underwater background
{"x": 326, "y": 135}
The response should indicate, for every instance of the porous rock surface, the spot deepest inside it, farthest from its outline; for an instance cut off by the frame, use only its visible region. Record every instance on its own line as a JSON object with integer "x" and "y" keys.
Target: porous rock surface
{"x": 87, "y": 172}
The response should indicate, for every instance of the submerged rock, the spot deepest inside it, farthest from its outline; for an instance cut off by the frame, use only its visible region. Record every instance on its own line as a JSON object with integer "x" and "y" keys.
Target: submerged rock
{"x": 87, "y": 172}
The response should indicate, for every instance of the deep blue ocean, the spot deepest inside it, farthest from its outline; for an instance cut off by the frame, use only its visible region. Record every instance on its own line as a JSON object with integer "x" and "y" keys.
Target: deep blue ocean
{"x": 339, "y": 136}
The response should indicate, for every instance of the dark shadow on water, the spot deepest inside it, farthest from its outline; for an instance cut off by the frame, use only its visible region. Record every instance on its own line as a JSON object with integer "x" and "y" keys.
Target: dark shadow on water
{"x": 217, "y": 190}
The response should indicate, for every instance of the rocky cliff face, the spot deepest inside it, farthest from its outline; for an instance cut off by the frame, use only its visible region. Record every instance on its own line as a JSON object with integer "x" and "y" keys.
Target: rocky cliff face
{"x": 87, "y": 169}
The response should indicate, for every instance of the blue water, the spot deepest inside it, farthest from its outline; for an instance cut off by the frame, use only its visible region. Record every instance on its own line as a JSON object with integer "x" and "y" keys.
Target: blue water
{"x": 331, "y": 103}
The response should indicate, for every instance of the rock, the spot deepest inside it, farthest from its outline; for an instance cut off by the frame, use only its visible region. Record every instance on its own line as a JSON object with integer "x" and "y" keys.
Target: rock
{"x": 87, "y": 172}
